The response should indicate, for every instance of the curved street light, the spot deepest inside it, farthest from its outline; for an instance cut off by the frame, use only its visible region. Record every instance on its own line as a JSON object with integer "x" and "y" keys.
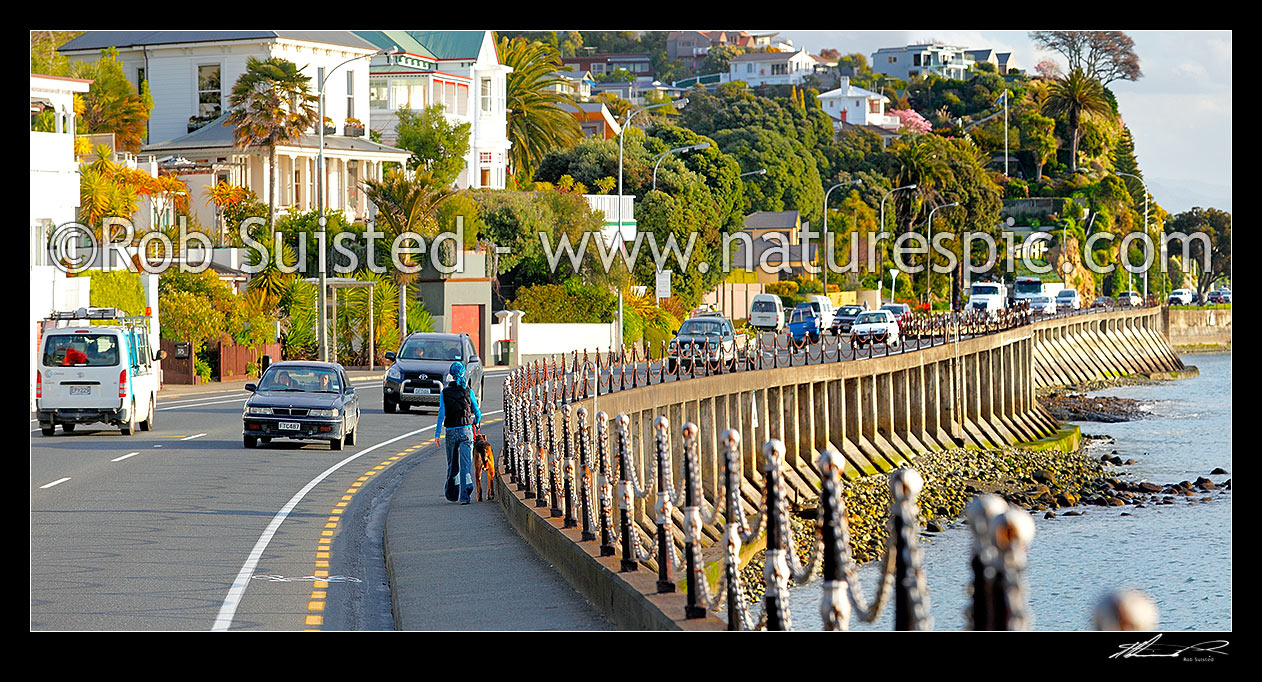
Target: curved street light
{"x": 929, "y": 252}
{"x": 663, "y": 155}
{"x": 320, "y": 178}
{"x": 760, "y": 171}
{"x": 824, "y": 237}
{"x": 678, "y": 104}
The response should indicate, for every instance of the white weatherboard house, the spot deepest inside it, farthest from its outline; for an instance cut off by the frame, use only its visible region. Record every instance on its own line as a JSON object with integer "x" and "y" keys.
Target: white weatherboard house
{"x": 771, "y": 68}
{"x": 457, "y": 69}
{"x": 54, "y": 201}
{"x": 856, "y": 106}
{"x": 191, "y": 74}
{"x": 911, "y": 61}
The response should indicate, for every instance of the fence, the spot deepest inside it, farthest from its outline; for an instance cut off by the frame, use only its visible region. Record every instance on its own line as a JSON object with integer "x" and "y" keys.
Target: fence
{"x": 242, "y": 362}
{"x": 574, "y": 479}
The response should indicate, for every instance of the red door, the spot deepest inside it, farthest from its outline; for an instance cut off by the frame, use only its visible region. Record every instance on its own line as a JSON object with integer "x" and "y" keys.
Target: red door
{"x": 468, "y": 319}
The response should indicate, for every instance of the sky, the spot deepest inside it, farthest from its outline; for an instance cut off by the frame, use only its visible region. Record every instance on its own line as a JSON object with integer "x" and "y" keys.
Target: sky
{"x": 1179, "y": 112}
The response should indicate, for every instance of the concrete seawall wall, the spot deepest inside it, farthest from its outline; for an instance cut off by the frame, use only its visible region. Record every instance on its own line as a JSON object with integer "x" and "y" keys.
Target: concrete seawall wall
{"x": 878, "y": 412}
{"x": 1082, "y": 348}
{"x": 1198, "y": 328}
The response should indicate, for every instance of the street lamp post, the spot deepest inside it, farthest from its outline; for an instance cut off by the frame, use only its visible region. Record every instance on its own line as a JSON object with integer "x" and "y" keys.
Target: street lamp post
{"x": 322, "y": 327}
{"x": 760, "y": 171}
{"x": 929, "y": 257}
{"x": 881, "y": 227}
{"x": 1127, "y": 256}
{"x": 824, "y": 237}
{"x": 663, "y": 155}
{"x": 679, "y": 104}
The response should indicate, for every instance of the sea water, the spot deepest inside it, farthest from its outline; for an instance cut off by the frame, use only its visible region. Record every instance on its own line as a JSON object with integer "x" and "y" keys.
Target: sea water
{"x": 1180, "y": 554}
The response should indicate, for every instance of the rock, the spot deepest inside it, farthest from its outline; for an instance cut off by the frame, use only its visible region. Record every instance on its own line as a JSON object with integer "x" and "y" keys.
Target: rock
{"x": 1205, "y": 484}
{"x": 934, "y": 526}
{"x": 1073, "y": 513}
{"x": 1126, "y": 514}
{"x": 1115, "y": 502}
{"x": 1218, "y": 472}
{"x": 1130, "y": 462}
{"x": 1145, "y": 486}
{"x": 1050, "y": 515}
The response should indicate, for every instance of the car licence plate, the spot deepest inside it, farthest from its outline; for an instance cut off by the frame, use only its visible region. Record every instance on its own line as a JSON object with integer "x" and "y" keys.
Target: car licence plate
{"x": 80, "y": 390}
{"x": 289, "y": 426}
{"x": 421, "y": 391}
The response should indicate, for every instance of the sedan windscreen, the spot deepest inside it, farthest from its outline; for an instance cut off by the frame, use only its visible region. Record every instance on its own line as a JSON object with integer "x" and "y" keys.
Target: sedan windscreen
{"x": 430, "y": 349}
{"x": 701, "y": 327}
{"x": 312, "y": 379}
{"x": 871, "y": 318}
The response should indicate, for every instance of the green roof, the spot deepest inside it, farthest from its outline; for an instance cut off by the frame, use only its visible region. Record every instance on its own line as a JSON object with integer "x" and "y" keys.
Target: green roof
{"x": 432, "y": 44}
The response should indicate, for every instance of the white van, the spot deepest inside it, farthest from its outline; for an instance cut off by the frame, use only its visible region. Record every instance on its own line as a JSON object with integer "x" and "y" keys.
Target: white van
{"x": 766, "y": 313}
{"x": 93, "y": 374}
{"x": 824, "y": 306}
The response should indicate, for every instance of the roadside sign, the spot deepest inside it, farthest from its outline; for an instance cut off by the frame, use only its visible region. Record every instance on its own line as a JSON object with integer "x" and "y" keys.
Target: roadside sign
{"x": 663, "y": 284}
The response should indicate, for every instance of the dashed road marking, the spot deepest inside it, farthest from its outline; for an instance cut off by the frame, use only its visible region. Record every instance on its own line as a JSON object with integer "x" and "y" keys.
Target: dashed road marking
{"x": 49, "y": 485}
{"x": 196, "y": 435}
{"x": 130, "y": 454}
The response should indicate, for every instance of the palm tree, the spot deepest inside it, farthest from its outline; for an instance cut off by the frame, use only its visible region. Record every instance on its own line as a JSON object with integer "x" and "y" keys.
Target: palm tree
{"x": 272, "y": 105}
{"x": 1075, "y": 96}
{"x": 538, "y": 120}
{"x": 406, "y": 201}
{"x": 916, "y": 161}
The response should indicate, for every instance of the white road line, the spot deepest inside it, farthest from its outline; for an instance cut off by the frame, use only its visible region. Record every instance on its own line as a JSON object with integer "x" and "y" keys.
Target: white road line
{"x": 130, "y": 454}
{"x": 196, "y": 435}
{"x": 229, "y": 608}
{"x": 49, "y": 485}
{"x": 214, "y": 402}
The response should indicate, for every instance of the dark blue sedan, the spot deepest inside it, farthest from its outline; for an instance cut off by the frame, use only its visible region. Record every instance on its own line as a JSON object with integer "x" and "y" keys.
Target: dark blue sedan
{"x": 301, "y": 400}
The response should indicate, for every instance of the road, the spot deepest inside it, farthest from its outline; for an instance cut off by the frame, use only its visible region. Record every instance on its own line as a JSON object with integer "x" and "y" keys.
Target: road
{"x": 181, "y": 528}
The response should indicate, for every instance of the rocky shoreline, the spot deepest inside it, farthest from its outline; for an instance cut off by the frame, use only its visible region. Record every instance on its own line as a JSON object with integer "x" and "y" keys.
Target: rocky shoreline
{"x": 1040, "y": 481}
{"x": 1076, "y": 407}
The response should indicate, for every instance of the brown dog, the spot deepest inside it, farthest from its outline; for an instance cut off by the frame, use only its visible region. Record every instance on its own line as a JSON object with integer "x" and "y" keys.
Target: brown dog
{"x": 483, "y": 460}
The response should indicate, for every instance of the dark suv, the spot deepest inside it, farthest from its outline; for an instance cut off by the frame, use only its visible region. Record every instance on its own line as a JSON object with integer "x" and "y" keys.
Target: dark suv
{"x": 419, "y": 372}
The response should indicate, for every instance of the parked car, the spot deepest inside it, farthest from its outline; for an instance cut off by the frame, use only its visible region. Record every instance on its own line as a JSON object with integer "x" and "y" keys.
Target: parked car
{"x": 419, "y": 372}
{"x": 1042, "y": 305}
{"x": 901, "y": 312}
{"x": 1181, "y": 297}
{"x": 702, "y": 339}
{"x": 873, "y": 326}
{"x": 767, "y": 313}
{"x": 1219, "y": 296}
{"x": 301, "y": 400}
{"x": 1129, "y": 298}
{"x": 843, "y": 320}
{"x": 1102, "y": 302}
{"x": 805, "y": 324}
{"x": 1068, "y": 299}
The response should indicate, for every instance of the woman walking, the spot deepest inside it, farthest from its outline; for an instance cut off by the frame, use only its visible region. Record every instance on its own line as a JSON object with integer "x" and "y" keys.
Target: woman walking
{"x": 457, "y": 413}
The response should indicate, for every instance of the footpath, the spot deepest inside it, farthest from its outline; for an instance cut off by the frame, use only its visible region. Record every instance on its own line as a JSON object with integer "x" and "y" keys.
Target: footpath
{"x": 463, "y": 567}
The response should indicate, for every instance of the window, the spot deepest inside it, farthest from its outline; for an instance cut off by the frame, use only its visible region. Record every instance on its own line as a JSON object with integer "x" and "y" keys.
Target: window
{"x": 779, "y": 69}
{"x": 378, "y": 95}
{"x": 484, "y": 157}
{"x": 209, "y": 94}
{"x": 352, "y": 183}
{"x": 485, "y": 95}
{"x": 915, "y": 60}
{"x": 749, "y": 68}
{"x": 350, "y": 94}
{"x": 893, "y": 60}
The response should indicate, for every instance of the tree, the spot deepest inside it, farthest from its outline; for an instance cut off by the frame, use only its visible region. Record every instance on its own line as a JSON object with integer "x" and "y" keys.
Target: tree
{"x": 792, "y": 181}
{"x": 112, "y": 104}
{"x": 540, "y": 117}
{"x": 272, "y": 104}
{"x": 830, "y": 54}
{"x": 1074, "y": 97}
{"x": 437, "y": 145}
{"x": 1038, "y": 138}
{"x": 1105, "y": 56}
{"x": 406, "y": 202}
{"x": 1216, "y": 225}
{"x": 44, "y": 57}
{"x": 911, "y": 121}
{"x": 718, "y": 57}
{"x": 1047, "y": 69}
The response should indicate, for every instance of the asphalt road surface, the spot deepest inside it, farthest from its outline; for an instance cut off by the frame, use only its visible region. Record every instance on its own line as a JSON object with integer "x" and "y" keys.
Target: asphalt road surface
{"x": 182, "y": 528}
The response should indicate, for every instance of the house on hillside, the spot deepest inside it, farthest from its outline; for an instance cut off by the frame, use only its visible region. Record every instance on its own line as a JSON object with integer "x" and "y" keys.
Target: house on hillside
{"x": 773, "y": 237}
{"x": 191, "y": 75}
{"x": 460, "y": 70}
{"x": 771, "y": 68}
{"x": 638, "y": 64}
{"x": 857, "y": 106}
{"x": 595, "y": 120}
{"x": 575, "y": 82}
{"x": 691, "y": 47}
{"x": 911, "y": 61}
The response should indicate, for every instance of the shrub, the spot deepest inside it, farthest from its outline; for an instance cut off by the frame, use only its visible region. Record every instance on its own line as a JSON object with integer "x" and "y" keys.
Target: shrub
{"x": 117, "y": 289}
{"x": 782, "y": 289}
{"x": 569, "y": 302}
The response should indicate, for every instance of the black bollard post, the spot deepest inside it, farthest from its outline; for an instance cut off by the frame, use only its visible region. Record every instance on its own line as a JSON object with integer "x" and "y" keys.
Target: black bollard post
{"x": 981, "y": 614}
{"x": 584, "y": 467}
{"x": 570, "y": 521}
{"x": 731, "y": 563}
{"x": 540, "y": 456}
{"x": 665, "y": 542}
{"x": 834, "y": 605}
{"x": 625, "y": 492}
{"x": 606, "y": 494}
{"x": 911, "y": 603}
{"x": 775, "y": 563}
{"x": 553, "y": 463}
{"x": 692, "y": 520}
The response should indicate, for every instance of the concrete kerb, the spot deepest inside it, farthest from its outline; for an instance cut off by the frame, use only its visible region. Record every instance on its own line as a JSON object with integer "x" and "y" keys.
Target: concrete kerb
{"x": 629, "y": 600}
